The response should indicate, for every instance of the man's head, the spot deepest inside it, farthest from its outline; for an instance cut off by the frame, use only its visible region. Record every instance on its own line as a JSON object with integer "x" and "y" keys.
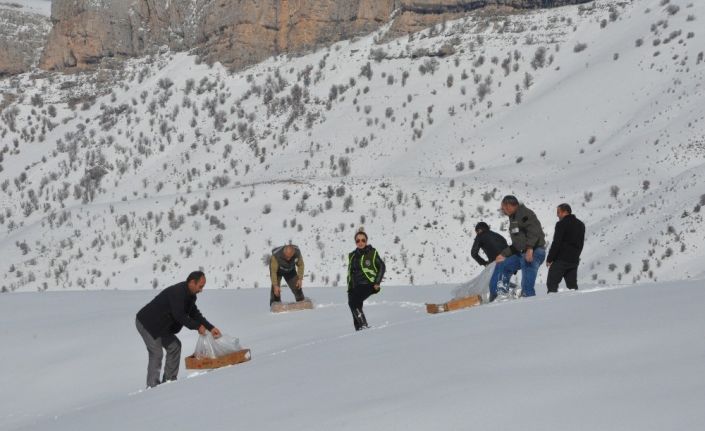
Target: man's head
{"x": 509, "y": 205}
{"x": 289, "y": 252}
{"x": 195, "y": 282}
{"x": 563, "y": 210}
{"x": 482, "y": 227}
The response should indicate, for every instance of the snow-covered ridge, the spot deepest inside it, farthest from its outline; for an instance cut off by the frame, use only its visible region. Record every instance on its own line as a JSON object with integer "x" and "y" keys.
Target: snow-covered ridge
{"x": 123, "y": 177}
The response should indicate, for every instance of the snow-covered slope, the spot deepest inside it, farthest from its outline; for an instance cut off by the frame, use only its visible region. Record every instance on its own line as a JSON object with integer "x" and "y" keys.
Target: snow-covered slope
{"x": 612, "y": 359}
{"x": 123, "y": 177}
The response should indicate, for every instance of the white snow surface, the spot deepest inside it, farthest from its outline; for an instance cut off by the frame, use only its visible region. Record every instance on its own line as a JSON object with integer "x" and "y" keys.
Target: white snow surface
{"x": 608, "y": 358}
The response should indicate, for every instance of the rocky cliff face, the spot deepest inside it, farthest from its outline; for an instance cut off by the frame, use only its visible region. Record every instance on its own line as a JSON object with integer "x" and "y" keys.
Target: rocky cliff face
{"x": 22, "y": 37}
{"x": 237, "y": 33}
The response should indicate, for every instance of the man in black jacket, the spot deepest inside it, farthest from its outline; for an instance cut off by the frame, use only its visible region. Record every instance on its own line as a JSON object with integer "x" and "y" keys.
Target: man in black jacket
{"x": 159, "y": 321}
{"x": 489, "y": 242}
{"x": 564, "y": 256}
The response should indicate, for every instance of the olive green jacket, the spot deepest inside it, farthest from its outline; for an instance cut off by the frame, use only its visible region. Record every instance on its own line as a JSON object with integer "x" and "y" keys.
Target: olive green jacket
{"x": 525, "y": 230}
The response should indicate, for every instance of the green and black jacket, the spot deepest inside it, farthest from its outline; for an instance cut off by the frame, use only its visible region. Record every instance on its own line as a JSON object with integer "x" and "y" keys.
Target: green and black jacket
{"x": 365, "y": 267}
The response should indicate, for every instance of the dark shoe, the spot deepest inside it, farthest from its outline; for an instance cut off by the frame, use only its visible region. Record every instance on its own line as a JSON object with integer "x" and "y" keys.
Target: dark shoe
{"x": 363, "y": 319}
{"x": 359, "y": 319}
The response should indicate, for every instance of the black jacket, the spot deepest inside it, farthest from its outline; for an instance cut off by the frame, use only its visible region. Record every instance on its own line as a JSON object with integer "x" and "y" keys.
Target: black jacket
{"x": 568, "y": 240}
{"x": 356, "y": 276}
{"x": 169, "y": 311}
{"x": 491, "y": 243}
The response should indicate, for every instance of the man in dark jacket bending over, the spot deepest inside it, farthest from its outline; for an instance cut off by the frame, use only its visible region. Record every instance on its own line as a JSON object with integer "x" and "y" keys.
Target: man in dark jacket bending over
{"x": 488, "y": 241}
{"x": 564, "y": 255}
{"x": 159, "y": 321}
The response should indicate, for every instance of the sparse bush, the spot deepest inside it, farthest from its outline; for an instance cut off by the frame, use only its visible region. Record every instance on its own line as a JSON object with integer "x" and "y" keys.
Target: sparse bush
{"x": 378, "y": 54}
{"x": 37, "y": 101}
{"x": 483, "y": 90}
{"x": 347, "y": 203}
{"x": 430, "y": 65}
{"x": 366, "y": 71}
{"x": 579, "y": 47}
{"x": 479, "y": 61}
{"x": 344, "y": 166}
{"x": 539, "y": 59}
{"x": 614, "y": 191}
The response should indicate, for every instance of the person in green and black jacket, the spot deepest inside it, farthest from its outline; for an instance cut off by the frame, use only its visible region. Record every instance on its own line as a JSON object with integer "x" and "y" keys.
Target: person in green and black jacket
{"x": 365, "y": 273}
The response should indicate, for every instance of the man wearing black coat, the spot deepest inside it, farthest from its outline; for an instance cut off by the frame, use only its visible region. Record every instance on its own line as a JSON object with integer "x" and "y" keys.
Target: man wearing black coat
{"x": 489, "y": 242}
{"x": 564, "y": 256}
{"x": 159, "y": 321}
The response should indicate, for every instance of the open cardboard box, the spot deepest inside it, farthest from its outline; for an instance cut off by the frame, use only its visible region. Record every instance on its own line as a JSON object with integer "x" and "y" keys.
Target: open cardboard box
{"x": 455, "y": 304}
{"x": 193, "y": 363}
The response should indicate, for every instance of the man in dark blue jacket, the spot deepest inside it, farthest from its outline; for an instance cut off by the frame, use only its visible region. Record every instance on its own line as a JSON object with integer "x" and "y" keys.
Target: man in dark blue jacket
{"x": 564, "y": 256}
{"x": 159, "y": 321}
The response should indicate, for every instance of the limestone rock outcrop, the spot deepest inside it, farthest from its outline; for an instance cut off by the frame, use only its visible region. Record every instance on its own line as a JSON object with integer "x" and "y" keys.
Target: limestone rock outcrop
{"x": 22, "y": 38}
{"x": 236, "y": 33}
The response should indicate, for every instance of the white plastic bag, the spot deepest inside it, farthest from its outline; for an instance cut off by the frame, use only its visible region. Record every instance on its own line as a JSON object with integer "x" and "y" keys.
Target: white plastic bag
{"x": 209, "y": 347}
{"x": 479, "y": 285}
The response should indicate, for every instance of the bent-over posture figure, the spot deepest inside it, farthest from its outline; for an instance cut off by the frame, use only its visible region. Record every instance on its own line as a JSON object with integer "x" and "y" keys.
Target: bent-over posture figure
{"x": 161, "y": 319}
{"x": 287, "y": 263}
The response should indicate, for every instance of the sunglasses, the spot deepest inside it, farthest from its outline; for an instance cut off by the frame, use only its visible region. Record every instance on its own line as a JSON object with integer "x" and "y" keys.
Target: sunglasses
{"x": 360, "y": 241}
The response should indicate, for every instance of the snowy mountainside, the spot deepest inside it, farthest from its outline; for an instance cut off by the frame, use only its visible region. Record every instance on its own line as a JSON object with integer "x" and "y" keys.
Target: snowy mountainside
{"x": 122, "y": 177}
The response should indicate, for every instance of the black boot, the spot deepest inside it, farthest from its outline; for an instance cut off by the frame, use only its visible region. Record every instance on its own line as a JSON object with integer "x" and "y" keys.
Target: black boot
{"x": 360, "y": 319}
{"x": 356, "y": 323}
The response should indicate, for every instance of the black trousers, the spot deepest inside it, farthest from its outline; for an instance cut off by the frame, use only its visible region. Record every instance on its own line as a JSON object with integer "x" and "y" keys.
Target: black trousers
{"x": 560, "y": 270}
{"x": 357, "y": 296}
{"x": 290, "y": 278}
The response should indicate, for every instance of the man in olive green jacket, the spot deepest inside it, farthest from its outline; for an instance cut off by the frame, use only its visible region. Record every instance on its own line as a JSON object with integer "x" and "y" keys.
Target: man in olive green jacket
{"x": 527, "y": 251}
{"x": 287, "y": 263}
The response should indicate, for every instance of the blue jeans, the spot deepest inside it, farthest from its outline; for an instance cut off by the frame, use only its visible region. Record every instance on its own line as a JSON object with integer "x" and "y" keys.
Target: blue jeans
{"x": 504, "y": 270}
